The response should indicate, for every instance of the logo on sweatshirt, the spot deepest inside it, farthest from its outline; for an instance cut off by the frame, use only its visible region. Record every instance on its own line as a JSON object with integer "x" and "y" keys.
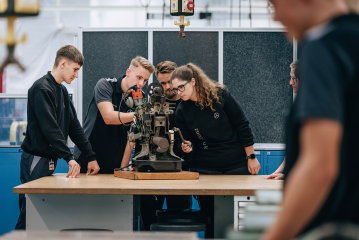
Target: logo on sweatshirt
{"x": 216, "y": 115}
{"x": 205, "y": 146}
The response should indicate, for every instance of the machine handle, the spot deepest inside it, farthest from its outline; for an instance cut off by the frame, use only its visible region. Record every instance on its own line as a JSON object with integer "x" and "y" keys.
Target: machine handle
{"x": 179, "y": 131}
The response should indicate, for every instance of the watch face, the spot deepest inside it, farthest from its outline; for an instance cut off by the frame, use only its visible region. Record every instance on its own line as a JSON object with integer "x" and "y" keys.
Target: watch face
{"x": 252, "y": 156}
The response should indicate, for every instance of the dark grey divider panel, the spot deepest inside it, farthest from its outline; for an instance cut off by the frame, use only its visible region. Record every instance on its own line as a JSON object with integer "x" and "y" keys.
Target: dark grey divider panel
{"x": 200, "y": 48}
{"x": 108, "y": 54}
{"x": 256, "y": 71}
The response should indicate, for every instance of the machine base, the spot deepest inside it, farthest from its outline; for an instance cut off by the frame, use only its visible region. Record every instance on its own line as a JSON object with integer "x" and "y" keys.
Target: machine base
{"x": 134, "y": 175}
{"x": 158, "y": 165}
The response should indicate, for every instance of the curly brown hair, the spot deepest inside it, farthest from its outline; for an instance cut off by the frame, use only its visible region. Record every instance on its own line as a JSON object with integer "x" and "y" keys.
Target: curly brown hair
{"x": 207, "y": 90}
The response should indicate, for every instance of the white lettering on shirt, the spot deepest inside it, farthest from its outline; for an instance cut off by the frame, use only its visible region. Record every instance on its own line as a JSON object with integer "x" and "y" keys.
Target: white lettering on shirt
{"x": 200, "y": 137}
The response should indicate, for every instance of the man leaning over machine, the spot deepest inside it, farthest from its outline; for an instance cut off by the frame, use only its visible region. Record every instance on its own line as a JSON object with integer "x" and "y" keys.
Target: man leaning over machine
{"x": 105, "y": 125}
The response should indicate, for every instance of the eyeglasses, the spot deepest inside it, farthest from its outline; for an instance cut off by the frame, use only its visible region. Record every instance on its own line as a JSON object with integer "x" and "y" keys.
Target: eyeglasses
{"x": 180, "y": 88}
{"x": 294, "y": 79}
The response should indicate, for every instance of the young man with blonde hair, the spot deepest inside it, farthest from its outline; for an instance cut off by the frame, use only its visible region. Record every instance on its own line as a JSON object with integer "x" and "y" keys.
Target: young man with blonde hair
{"x": 51, "y": 119}
{"x": 106, "y": 115}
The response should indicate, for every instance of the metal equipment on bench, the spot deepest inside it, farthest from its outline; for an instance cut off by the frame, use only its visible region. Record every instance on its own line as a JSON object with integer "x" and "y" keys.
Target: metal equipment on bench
{"x": 156, "y": 138}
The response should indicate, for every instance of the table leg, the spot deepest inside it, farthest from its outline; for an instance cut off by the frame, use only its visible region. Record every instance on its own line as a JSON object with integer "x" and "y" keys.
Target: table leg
{"x": 223, "y": 215}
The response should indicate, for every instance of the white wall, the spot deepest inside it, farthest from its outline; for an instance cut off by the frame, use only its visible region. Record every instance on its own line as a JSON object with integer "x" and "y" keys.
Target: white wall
{"x": 59, "y": 20}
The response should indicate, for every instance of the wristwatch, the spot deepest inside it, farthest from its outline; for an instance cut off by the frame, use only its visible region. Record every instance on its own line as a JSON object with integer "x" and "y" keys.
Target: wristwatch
{"x": 252, "y": 156}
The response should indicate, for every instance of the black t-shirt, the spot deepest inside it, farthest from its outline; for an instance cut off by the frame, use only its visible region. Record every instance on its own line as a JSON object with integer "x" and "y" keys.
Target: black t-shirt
{"x": 218, "y": 137}
{"x": 329, "y": 85}
{"x": 108, "y": 141}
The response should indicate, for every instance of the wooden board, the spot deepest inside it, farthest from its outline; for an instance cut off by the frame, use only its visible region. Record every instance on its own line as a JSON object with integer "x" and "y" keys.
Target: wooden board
{"x": 108, "y": 184}
{"x": 134, "y": 175}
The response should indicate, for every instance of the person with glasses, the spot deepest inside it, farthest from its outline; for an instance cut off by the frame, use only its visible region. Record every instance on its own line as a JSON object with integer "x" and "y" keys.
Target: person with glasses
{"x": 293, "y": 77}
{"x": 213, "y": 124}
{"x": 294, "y": 82}
{"x": 215, "y": 129}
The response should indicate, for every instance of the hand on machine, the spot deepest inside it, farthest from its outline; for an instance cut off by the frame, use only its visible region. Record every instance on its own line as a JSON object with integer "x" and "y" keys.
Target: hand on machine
{"x": 186, "y": 145}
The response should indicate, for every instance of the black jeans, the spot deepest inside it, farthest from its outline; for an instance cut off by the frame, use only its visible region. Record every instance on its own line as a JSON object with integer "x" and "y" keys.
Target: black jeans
{"x": 206, "y": 203}
{"x": 31, "y": 170}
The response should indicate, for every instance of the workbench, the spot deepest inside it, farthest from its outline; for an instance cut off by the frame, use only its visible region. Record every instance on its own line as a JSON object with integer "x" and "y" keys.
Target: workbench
{"x": 106, "y": 202}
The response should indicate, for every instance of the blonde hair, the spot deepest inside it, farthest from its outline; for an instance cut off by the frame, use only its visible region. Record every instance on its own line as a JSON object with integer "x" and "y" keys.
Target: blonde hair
{"x": 165, "y": 67}
{"x": 353, "y": 5}
{"x": 143, "y": 62}
{"x": 207, "y": 90}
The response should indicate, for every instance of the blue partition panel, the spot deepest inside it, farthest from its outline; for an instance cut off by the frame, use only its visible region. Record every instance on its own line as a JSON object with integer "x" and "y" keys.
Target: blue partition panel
{"x": 273, "y": 160}
{"x": 10, "y": 178}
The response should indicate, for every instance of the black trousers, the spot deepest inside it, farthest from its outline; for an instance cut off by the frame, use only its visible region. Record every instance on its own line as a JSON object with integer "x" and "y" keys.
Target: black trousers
{"x": 31, "y": 168}
{"x": 206, "y": 203}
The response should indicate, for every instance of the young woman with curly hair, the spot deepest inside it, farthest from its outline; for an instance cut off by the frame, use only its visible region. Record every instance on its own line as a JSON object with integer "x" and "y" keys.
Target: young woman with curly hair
{"x": 215, "y": 128}
{"x": 213, "y": 124}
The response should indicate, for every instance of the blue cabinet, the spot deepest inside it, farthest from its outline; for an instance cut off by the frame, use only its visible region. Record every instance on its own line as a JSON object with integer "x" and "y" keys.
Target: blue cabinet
{"x": 10, "y": 178}
{"x": 273, "y": 160}
{"x": 269, "y": 160}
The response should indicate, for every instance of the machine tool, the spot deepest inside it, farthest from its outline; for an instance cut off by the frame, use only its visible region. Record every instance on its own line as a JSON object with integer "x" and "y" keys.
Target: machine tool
{"x": 182, "y": 8}
{"x": 152, "y": 129}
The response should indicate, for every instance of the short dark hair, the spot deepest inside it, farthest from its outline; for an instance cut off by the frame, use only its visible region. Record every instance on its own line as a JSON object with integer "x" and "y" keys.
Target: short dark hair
{"x": 71, "y": 53}
{"x": 165, "y": 67}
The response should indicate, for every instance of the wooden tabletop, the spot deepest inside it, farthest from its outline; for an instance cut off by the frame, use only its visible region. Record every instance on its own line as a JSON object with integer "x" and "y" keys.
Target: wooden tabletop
{"x": 108, "y": 184}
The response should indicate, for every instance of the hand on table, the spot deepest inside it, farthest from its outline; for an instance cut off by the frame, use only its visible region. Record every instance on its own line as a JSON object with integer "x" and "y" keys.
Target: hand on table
{"x": 187, "y": 148}
{"x": 92, "y": 168}
{"x": 74, "y": 169}
{"x": 275, "y": 176}
{"x": 253, "y": 166}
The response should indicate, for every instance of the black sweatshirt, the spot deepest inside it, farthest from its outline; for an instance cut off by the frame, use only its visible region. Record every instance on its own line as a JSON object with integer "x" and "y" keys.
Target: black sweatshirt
{"x": 51, "y": 119}
{"x": 218, "y": 137}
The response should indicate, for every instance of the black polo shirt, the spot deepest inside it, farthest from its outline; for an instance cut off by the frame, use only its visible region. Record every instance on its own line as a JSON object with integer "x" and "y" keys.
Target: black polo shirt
{"x": 108, "y": 141}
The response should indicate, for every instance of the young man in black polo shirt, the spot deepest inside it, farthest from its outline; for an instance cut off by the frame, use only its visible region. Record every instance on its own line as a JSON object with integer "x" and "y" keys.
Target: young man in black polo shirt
{"x": 321, "y": 183}
{"x": 107, "y": 113}
{"x": 51, "y": 119}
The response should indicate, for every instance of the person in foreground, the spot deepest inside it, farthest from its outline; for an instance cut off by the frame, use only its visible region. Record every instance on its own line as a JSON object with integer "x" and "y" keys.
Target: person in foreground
{"x": 322, "y": 129}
